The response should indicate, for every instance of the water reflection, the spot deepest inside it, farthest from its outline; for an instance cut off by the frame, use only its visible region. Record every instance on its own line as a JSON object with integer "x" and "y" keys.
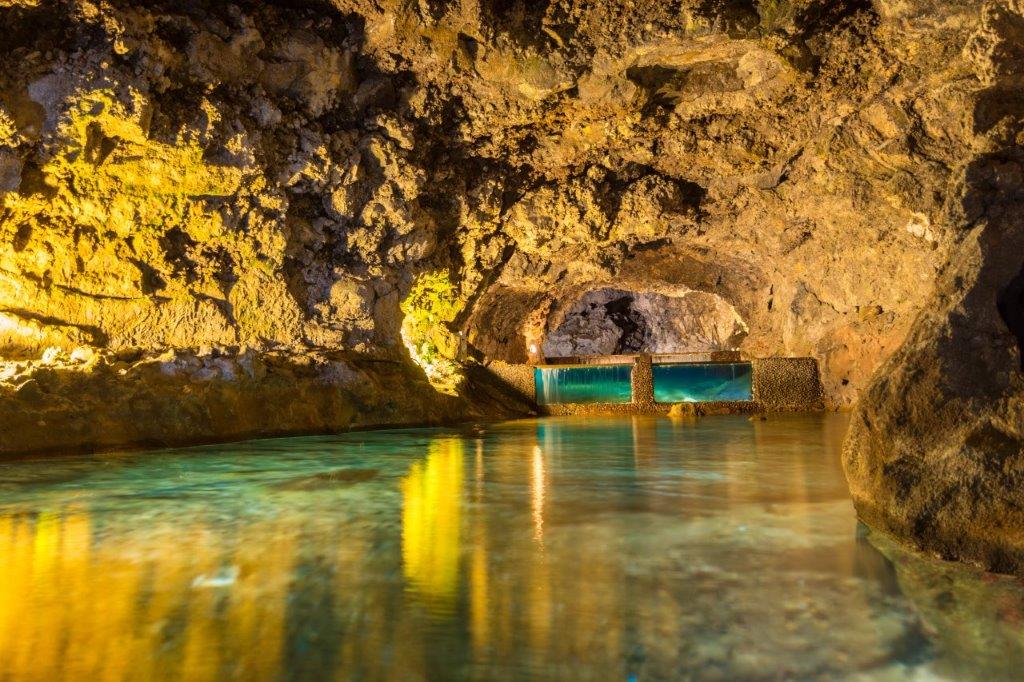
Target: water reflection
{"x": 105, "y": 610}
{"x": 537, "y": 484}
{"x": 431, "y": 518}
{"x": 973, "y": 621}
{"x": 584, "y": 549}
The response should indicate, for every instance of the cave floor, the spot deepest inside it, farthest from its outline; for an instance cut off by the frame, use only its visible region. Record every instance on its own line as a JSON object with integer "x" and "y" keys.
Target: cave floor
{"x": 562, "y": 548}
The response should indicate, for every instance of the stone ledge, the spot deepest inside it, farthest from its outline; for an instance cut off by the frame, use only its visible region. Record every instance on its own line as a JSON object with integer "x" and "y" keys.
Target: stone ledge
{"x": 180, "y": 399}
{"x": 663, "y": 409}
{"x": 779, "y": 385}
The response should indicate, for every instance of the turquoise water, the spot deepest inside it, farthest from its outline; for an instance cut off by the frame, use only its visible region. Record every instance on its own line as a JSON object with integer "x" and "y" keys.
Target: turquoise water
{"x": 584, "y": 384}
{"x": 579, "y": 549}
{"x": 700, "y": 382}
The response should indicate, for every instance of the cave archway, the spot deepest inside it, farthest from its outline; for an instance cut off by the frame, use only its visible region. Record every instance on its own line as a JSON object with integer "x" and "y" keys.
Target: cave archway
{"x": 612, "y": 321}
{"x": 679, "y": 301}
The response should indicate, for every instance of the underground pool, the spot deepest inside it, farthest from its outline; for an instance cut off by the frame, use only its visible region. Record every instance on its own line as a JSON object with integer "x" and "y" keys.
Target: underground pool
{"x": 632, "y": 548}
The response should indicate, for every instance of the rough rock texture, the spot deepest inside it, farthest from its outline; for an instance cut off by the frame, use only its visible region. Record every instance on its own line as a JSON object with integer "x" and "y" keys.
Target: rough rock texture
{"x": 787, "y": 384}
{"x": 100, "y": 401}
{"x": 277, "y": 175}
{"x": 612, "y": 322}
{"x": 277, "y": 179}
{"x": 935, "y": 454}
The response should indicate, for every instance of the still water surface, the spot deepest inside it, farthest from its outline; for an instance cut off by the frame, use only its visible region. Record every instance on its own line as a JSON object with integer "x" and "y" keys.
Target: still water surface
{"x": 605, "y": 549}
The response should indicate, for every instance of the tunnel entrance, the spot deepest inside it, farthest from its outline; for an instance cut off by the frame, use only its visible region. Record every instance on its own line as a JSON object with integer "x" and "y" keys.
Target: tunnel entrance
{"x": 617, "y": 322}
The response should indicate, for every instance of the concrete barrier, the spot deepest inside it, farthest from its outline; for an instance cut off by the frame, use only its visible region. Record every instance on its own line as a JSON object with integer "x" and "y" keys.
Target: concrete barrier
{"x": 788, "y": 385}
{"x": 642, "y": 381}
{"x": 779, "y": 385}
{"x": 518, "y": 378}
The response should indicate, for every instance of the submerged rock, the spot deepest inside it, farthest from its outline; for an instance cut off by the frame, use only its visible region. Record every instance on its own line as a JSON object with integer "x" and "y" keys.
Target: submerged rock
{"x": 339, "y": 478}
{"x": 975, "y": 620}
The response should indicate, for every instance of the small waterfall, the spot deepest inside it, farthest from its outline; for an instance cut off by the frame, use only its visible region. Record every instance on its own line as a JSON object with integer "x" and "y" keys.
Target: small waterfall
{"x": 584, "y": 384}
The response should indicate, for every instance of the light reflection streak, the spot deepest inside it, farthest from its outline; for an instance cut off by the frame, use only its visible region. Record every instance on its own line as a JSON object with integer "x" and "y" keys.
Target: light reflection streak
{"x": 431, "y": 524}
{"x": 538, "y": 482}
{"x": 479, "y": 468}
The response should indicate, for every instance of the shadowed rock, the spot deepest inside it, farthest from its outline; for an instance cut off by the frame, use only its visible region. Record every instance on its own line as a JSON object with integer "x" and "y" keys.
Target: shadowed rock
{"x": 935, "y": 454}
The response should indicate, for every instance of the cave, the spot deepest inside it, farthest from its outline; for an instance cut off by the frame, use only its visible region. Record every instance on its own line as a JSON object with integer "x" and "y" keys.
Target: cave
{"x": 616, "y": 322}
{"x": 511, "y": 338}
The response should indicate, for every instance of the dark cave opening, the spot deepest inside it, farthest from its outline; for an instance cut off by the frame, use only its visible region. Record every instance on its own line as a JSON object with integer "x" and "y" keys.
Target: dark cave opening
{"x": 1011, "y": 309}
{"x": 636, "y": 334}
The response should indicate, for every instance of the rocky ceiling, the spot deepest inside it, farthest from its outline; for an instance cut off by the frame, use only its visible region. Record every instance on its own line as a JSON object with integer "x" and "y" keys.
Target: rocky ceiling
{"x": 193, "y": 183}
{"x": 187, "y": 174}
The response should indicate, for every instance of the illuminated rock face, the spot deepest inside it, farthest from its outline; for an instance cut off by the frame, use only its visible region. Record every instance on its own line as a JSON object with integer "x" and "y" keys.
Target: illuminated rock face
{"x": 613, "y": 321}
{"x": 936, "y": 448}
{"x": 221, "y": 182}
{"x": 269, "y": 177}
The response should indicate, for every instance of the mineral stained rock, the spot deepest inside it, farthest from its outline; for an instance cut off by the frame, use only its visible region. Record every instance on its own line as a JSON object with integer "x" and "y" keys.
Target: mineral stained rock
{"x": 935, "y": 454}
{"x": 209, "y": 185}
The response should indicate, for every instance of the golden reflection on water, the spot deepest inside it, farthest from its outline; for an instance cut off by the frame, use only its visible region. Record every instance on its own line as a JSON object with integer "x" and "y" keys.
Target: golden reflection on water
{"x": 75, "y": 608}
{"x": 500, "y": 552}
{"x": 537, "y": 483}
{"x": 431, "y": 523}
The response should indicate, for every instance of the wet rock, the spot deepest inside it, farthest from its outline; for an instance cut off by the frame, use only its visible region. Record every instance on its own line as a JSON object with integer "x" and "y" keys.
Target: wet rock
{"x": 684, "y": 410}
{"x": 936, "y": 448}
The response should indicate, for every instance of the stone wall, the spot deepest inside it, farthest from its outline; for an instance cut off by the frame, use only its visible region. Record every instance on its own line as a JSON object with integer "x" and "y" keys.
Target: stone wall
{"x": 787, "y": 385}
{"x": 519, "y": 378}
{"x": 779, "y": 385}
{"x": 653, "y": 409}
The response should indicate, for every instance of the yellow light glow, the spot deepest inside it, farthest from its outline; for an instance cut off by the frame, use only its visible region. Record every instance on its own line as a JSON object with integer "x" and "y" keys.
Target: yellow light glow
{"x": 431, "y": 518}
{"x": 432, "y": 303}
{"x": 72, "y": 600}
{"x": 12, "y": 325}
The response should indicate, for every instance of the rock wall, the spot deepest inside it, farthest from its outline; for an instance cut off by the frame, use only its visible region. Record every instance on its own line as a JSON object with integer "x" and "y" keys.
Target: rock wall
{"x": 613, "y": 322}
{"x": 103, "y": 401}
{"x": 936, "y": 450}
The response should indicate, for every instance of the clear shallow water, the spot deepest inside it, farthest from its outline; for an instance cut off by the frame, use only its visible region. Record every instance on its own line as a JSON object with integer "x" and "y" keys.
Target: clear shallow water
{"x": 584, "y": 384}
{"x": 621, "y": 548}
{"x": 693, "y": 382}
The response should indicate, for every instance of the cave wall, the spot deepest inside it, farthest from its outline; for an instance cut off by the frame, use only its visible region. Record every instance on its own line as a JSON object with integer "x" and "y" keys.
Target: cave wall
{"x": 615, "y": 322}
{"x": 935, "y": 453}
{"x": 211, "y": 180}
